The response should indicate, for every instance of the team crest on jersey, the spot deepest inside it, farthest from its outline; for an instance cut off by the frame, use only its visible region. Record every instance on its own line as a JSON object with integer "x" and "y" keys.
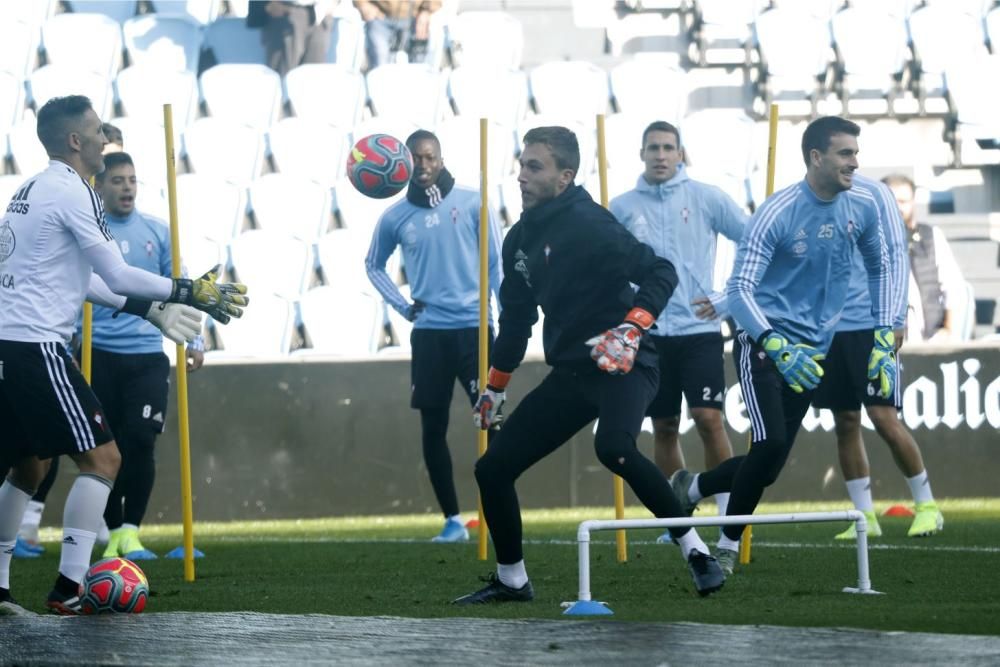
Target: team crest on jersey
{"x": 7, "y": 241}
{"x": 454, "y": 215}
{"x": 800, "y": 248}
{"x": 409, "y": 234}
{"x": 125, "y": 246}
{"x": 850, "y": 227}
{"x": 149, "y": 248}
{"x": 521, "y": 266}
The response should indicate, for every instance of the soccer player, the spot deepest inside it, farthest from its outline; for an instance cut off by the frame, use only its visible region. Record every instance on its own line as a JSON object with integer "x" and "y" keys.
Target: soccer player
{"x": 437, "y": 227}
{"x": 681, "y": 219}
{"x": 130, "y": 371}
{"x": 786, "y": 293}
{"x": 569, "y": 256}
{"x": 846, "y": 387}
{"x": 56, "y": 250}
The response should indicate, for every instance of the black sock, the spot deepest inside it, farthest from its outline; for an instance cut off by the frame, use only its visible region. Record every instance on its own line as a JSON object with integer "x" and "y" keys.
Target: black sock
{"x": 66, "y": 586}
{"x": 5, "y": 594}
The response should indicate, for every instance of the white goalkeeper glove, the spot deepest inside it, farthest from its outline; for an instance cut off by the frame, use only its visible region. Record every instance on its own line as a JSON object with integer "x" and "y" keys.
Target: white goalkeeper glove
{"x": 178, "y": 322}
{"x": 486, "y": 412}
{"x": 615, "y": 349}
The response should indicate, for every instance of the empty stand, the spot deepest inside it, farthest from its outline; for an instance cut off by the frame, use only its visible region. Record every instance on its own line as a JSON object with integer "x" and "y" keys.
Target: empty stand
{"x": 271, "y": 262}
{"x": 20, "y": 45}
{"x": 290, "y": 205}
{"x": 649, "y": 85}
{"x": 975, "y": 97}
{"x": 11, "y": 99}
{"x": 27, "y": 152}
{"x": 209, "y": 207}
{"x": 90, "y": 42}
{"x": 795, "y": 54}
{"x": 459, "y": 137}
{"x": 144, "y": 89}
{"x": 326, "y": 309}
{"x": 341, "y": 254}
{"x": 167, "y": 42}
{"x": 413, "y": 91}
{"x": 573, "y": 90}
{"x": 265, "y": 330}
{"x": 489, "y": 91}
{"x": 145, "y": 140}
{"x": 347, "y": 42}
{"x": 873, "y": 51}
{"x": 59, "y": 80}
{"x": 220, "y": 148}
{"x": 120, "y": 10}
{"x": 943, "y": 40}
{"x": 200, "y": 11}
{"x": 309, "y": 149}
{"x": 486, "y": 38}
{"x": 327, "y": 93}
{"x": 242, "y": 93}
{"x": 231, "y": 41}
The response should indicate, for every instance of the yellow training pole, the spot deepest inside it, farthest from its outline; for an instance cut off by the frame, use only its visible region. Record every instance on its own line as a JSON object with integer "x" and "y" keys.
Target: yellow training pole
{"x": 484, "y": 307}
{"x": 772, "y": 141}
{"x": 182, "y": 397}
{"x": 602, "y": 167}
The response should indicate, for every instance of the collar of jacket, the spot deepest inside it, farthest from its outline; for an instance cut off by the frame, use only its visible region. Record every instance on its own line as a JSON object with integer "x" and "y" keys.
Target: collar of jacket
{"x": 432, "y": 196}
{"x": 544, "y": 213}
{"x": 642, "y": 185}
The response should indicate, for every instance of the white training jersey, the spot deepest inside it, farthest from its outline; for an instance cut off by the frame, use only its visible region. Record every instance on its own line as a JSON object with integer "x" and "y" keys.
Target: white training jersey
{"x": 44, "y": 274}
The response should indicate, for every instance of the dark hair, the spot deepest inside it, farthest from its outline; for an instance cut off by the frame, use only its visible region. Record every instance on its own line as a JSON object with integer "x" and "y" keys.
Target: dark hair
{"x": 111, "y": 161}
{"x": 899, "y": 179}
{"x": 113, "y": 134}
{"x": 818, "y": 133}
{"x": 422, "y": 135}
{"x": 561, "y": 141}
{"x": 661, "y": 126}
{"x": 55, "y": 120}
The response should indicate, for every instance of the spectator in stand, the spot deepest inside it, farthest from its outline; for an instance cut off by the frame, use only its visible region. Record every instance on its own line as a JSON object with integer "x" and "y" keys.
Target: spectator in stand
{"x": 293, "y": 33}
{"x": 396, "y": 25}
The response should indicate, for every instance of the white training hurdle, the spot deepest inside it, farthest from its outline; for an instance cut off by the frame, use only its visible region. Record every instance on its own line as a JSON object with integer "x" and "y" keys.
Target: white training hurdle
{"x": 586, "y": 606}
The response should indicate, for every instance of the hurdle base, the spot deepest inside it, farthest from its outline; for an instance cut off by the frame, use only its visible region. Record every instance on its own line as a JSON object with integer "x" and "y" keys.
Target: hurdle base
{"x": 860, "y": 591}
{"x": 586, "y": 608}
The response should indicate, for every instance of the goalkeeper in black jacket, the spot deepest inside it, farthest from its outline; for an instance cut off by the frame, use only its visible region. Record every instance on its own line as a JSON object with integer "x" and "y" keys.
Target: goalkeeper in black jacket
{"x": 570, "y": 257}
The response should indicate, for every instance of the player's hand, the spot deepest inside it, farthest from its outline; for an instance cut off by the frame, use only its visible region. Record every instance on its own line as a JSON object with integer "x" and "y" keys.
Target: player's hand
{"x": 484, "y": 414}
{"x": 704, "y": 309}
{"x": 220, "y": 300}
{"x": 798, "y": 364}
{"x": 414, "y": 310}
{"x": 195, "y": 359}
{"x": 882, "y": 361}
{"x": 178, "y": 322}
{"x": 615, "y": 349}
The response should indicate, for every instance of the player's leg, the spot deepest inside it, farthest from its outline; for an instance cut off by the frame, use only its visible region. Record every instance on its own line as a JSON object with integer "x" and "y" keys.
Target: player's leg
{"x": 142, "y": 392}
{"x": 665, "y": 408}
{"x": 433, "y": 368}
{"x": 857, "y": 473}
{"x": 15, "y": 492}
{"x": 544, "y": 419}
{"x": 28, "y": 543}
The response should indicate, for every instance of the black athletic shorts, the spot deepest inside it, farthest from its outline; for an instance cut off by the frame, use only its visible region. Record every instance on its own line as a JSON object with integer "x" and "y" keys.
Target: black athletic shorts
{"x": 133, "y": 389}
{"x": 845, "y": 384}
{"x": 692, "y": 365}
{"x": 775, "y": 411}
{"x": 46, "y": 407}
{"x": 438, "y": 357}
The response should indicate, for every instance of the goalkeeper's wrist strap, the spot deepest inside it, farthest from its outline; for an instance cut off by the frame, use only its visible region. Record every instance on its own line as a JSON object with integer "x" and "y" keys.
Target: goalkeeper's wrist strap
{"x": 497, "y": 380}
{"x": 183, "y": 287}
{"x": 764, "y": 336}
{"x": 137, "y": 307}
{"x": 640, "y": 318}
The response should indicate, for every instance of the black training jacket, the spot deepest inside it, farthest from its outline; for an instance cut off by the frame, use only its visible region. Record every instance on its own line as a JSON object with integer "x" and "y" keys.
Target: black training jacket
{"x": 573, "y": 259}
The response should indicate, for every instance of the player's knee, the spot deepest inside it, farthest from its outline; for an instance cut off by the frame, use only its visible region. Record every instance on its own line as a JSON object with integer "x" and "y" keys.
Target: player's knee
{"x": 490, "y": 470}
{"x": 847, "y": 423}
{"x": 668, "y": 426}
{"x": 614, "y": 448}
{"x": 103, "y": 461}
{"x": 707, "y": 419}
{"x": 766, "y": 459}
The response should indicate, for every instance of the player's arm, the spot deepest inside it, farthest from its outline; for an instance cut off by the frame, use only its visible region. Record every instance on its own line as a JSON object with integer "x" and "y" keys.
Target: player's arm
{"x": 195, "y": 352}
{"x": 875, "y": 253}
{"x": 178, "y": 322}
{"x": 494, "y": 250}
{"x": 753, "y": 256}
{"x": 728, "y": 219}
{"x": 897, "y": 248}
{"x": 382, "y": 246}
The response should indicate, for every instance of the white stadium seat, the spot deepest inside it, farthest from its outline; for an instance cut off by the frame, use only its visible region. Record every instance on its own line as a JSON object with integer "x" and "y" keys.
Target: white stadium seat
{"x": 144, "y": 89}
{"x": 290, "y": 205}
{"x": 309, "y": 149}
{"x": 166, "y": 42}
{"x": 325, "y": 310}
{"x": 327, "y": 93}
{"x": 272, "y": 262}
{"x": 243, "y": 94}
{"x": 86, "y": 41}
{"x": 209, "y": 206}
{"x": 221, "y": 148}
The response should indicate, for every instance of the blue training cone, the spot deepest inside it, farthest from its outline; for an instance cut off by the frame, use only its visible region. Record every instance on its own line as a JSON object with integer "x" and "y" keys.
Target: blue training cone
{"x": 587, "y": 608}
{"x": 179, "y": 553}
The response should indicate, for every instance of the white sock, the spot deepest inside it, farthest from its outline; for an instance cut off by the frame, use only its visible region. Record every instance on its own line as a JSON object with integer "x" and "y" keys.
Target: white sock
{"x": 722, "y": 501}
{"x": 130, "y": 526}
{"x": 513, "y": 575}
{"x": 726, "y": 543}
{"x": 694, "y": 495}
{"x": 12, "y": 503}
{"x": 81, "y": 520}
{"x": 920, "y": 487}
{"x": 32, "y": 514}
{"x": 691, "y": 540}
{"x": 860, "y": 491}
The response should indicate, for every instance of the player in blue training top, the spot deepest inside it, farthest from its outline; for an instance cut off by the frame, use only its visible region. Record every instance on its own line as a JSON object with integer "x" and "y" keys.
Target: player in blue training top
{"x": 846, "y": 387}
{"x": 437, "y": 227}
{"x": 681, "y": 219}
{"x": 786, "y": 294}
{"x": 130, "y": 373}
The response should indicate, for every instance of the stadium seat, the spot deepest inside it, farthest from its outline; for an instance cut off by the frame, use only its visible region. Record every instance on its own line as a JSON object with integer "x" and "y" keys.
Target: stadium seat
{"x": 151, "y": 199}
{"x": 32, "y": 14}
{"x": 145, "y": 140}
{"x": 341, "y": 255}
{"x": 265, "y": 330}
{"x": 58, "y": 80}
{"x": 291, "y": 205}
{"x": 271, "y": 262}
{"x": 198, "y": 10}
{"x": 415, "y": 91}
{"x": 975, "y": 104}
{"x": 29, "y": 156}
{"x": 459, "y": 137}
{"x": 166, "y": 42}
{"x": 722, "y": 30}
{"x": 824, "y": 10}
{"x": 231, "y": 41}
{"x": 20, "y": 46}
{"x": 326, "y": 309}
{"x": 575, "y": 90}
{"x": 486, "y": 38}
{"x": 873, "y": 50}
{"x": 993, "y": 29}
{"x": 11, "y": 99}
{"x": 649, "y": 86}
{"x": 942, "y": 39}
{"x": 120, "y": 11}
{"x": 326, "y": 93}
{"x": 347, "y": 42}
{"x": 486, "y": 91}
{"x": 794, "y": 49}
{"x": 144, "y": 89}
{"x": 357, "y": 211}
{"x": 243, "y": 94}
{"x": 704, "y": 131}
{"x": 221, "y": 148}
{"x": 623, "y": 139}
{"x": 199, "y": 254}
{"x": 209, "y": 207}
{"x": 309, "y": 149}
{"x": 90, "y": 42}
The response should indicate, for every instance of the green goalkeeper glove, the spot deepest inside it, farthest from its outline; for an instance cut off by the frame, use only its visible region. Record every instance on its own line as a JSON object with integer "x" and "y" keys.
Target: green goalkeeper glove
{"x": 882, "y": 361}
{"x": 798, "y": 364}
{"x": 220, "y": 300}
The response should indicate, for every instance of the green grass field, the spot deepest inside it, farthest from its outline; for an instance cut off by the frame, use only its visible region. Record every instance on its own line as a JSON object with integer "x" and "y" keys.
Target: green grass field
{"x": 368, "y": 566}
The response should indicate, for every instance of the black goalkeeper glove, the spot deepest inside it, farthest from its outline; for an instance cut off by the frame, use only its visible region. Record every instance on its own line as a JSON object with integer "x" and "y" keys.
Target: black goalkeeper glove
{"x": 221, "y": 301}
